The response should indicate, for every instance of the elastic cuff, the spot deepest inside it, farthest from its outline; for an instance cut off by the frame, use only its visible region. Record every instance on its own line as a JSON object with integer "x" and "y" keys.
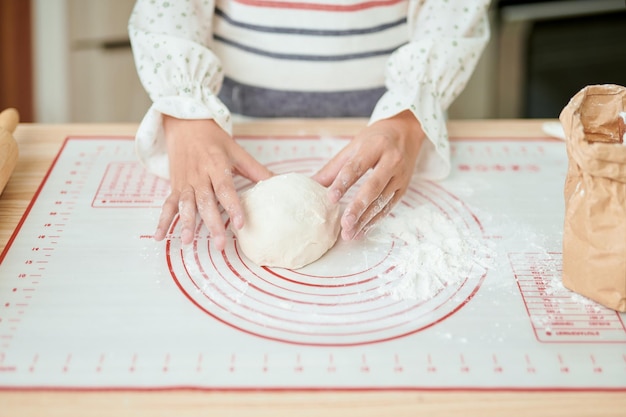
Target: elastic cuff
{"x": 188, "y": 108}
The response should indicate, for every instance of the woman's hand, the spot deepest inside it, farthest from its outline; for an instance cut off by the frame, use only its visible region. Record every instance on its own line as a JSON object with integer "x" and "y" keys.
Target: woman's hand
{"x": 389, "y": 148}
{"x": 203, "y": 159}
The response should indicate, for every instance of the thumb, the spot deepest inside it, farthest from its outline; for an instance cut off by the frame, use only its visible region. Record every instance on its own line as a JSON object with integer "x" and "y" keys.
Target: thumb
{"x": 327, "y": 174}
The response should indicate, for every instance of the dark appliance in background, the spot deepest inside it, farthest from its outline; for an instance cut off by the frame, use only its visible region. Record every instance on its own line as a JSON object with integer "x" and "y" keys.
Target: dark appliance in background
{"x": 562, "y": 46}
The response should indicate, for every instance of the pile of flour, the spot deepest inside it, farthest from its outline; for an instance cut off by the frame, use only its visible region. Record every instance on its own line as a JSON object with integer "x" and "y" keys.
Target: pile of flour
{"x": 431, "y": 252}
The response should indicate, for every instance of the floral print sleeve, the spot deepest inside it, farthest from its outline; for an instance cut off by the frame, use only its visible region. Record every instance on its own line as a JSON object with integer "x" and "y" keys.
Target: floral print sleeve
{"x": 424, "y": 76}
{"x": 173, "y": 48}
{"x": 171, "y": 43}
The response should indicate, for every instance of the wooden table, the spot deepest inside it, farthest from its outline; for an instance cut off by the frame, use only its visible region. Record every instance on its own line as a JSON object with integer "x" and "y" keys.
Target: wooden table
{"x": 38, "y": 145}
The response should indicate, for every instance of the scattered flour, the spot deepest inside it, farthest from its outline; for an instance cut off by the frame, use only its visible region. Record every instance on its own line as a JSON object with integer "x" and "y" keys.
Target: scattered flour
{"x": 431, "y": 252}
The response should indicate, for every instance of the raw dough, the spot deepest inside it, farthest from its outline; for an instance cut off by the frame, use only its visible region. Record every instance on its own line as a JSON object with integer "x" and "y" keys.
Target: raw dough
{"x": 289, "y": 221}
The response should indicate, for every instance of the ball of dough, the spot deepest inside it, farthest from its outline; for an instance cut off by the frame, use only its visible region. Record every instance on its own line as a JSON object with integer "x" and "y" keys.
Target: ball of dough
{"x": 289, "y": 221}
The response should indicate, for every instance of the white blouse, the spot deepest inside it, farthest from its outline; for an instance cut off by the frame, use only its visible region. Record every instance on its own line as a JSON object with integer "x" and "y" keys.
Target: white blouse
{"x": 203, "y": 59}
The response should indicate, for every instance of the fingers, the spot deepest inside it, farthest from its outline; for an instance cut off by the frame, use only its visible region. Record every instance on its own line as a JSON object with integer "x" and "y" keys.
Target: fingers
{"x": 217, "y": 189}
{"x": 345, "y": 169}
{"x": 379, "y": 192}
{"x": 187, "y": 215}
{"x": 370, "y": 217}
{"x": 372, "y": 198}
{"x": 211, "y": 217}
{"x": 184, "y": 204}
{"x": 168, "y": 211}
{"x": 327, "y": 174}
{"x": 249, "y": 167}
{"x": 351, "y": 171}
{"x": 221, "y": 175}
{"x": 187, "y": 204}
{"x": 201, "y": 174}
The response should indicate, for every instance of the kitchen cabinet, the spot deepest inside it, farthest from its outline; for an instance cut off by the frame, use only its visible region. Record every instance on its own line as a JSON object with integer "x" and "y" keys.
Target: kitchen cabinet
{"x": 104, "y": 86}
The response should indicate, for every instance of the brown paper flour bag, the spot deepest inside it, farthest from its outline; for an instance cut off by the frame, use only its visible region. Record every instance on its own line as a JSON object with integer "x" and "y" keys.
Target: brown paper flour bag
{"x": 594, "y": 233}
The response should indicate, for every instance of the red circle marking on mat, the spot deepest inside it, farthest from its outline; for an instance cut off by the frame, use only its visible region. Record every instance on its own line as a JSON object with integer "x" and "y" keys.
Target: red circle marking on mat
{"x": 308, "y": 308}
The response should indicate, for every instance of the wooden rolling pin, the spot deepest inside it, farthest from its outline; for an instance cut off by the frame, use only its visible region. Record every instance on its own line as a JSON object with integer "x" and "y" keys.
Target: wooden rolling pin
{"x": 9, "y": 119}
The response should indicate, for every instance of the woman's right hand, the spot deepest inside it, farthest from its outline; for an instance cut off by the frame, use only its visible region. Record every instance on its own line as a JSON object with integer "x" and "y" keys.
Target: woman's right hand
{"x": 203, "y": 159}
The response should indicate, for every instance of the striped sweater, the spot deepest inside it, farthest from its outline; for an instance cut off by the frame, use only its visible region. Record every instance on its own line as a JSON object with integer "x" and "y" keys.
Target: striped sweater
{"x": 313, "y": 58}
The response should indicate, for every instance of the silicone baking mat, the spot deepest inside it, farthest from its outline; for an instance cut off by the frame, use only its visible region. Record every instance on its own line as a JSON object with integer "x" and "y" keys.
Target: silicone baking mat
{"x": 88, "y": 300}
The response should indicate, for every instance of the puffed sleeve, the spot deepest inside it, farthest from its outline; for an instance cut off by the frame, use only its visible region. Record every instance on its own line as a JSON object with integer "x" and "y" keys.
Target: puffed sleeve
{"x": 425, "y": 75}
{"x": 171, "y": 42}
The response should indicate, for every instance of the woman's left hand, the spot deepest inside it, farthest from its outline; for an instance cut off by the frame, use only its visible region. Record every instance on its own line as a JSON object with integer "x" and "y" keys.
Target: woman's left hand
{"x": 388, "y": 147}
